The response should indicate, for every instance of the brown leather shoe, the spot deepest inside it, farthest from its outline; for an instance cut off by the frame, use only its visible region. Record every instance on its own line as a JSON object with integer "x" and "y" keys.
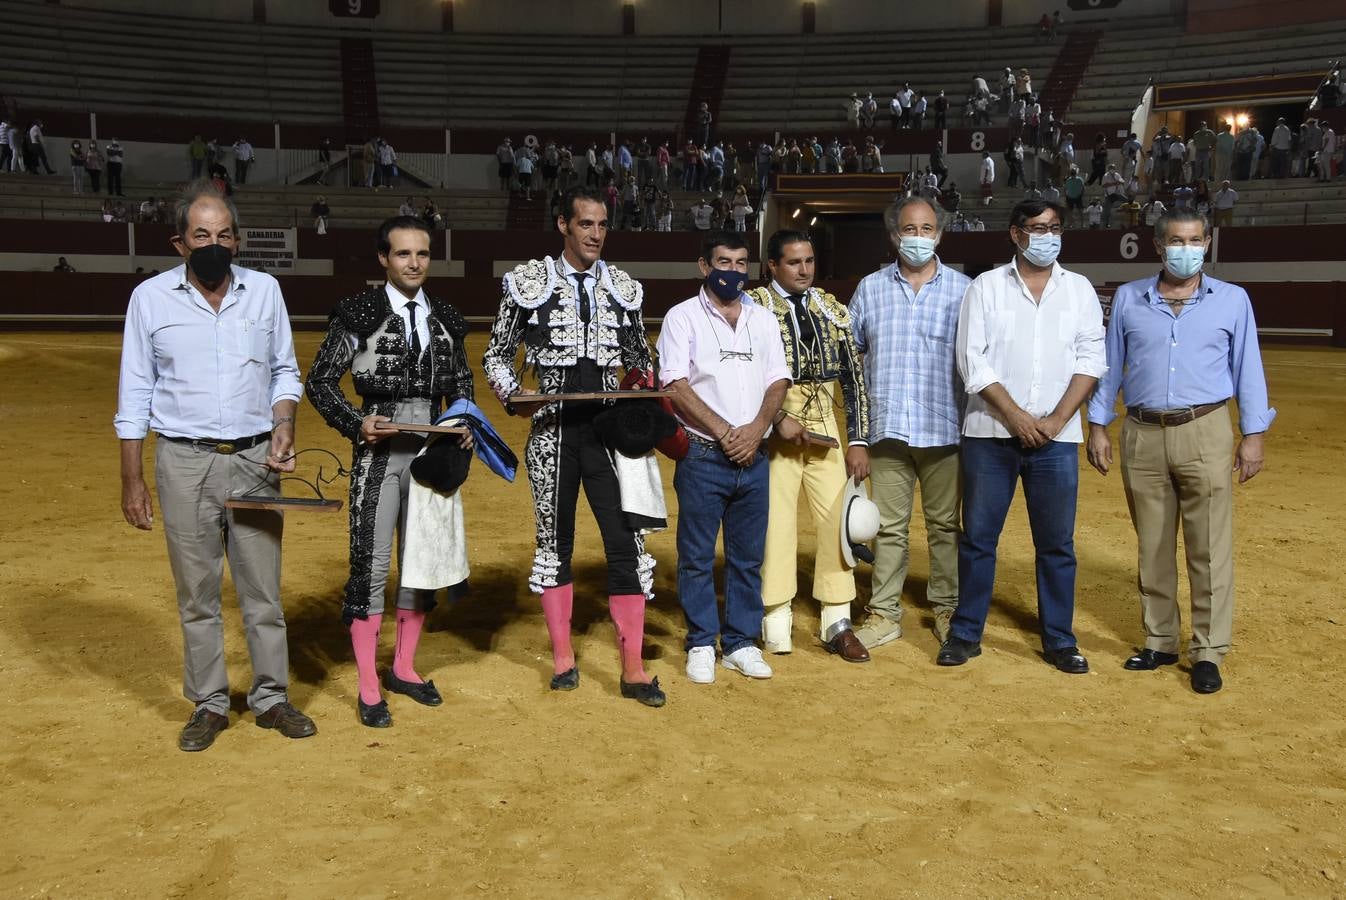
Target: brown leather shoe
{"x": 200, "y": 730}
{"x": 288, "y": 721}
{"x": 846, "y": 645}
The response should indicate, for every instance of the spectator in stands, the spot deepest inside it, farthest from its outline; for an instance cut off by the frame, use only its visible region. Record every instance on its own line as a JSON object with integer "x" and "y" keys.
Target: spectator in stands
{"x": 149, "y": 211}
{"x": 644, "y": 162}
{"x": 850, "y": 157}
{"x": 1051, "y": 193}
{"x": 105, "y": 213}
{"x": 1114, "y": 192}
{"x": 120, "y": 215}
{"x": 1065, "y": 154}
{"x": 1057, "y": 23}
{"x": 431, "y": 216}
{"x": 116, "y": 155}
{"x": 369, "y": 158}
{"x": 388, "y": 173}
{"x": 949, "y": 198}
{"x": 719, "y": 212}
{"x": 1130, "y": 156}
{"x": 1023, "y": 85}
{"x": 1183, "y": 197}
{"x": 550, "y": 160}
{"x": 593, "y": 171}
{"x": 1244, "y": 146}
{"x": 1154, "y": 210}
{"x": 1223, "y": 203}
{"x": 504, "y": 158}
{"x": 895, "y": 111}
{"x": 1281, "y": 140}
{"x": 937, "y": 164}
{"x": 612, "y": 197}
{"x": 630, "y": 211}
{"x": 625, "y": 164}
{"x": 662, "y": 159}
{"x": 1018, "y": 111}
{"x": 1045, "y": 28}
{"x": 1130, "y": 213}
{"x": 1224, "y": 151}
{"x": 1093, "y": 213}
{"x": 212, "y": 153}
{"x": 987, "y": 173}
{"x": 854, "y": 107}
{"x": 39, "y": 148}
{"x": 871, "y": 109}
{"x": 609, "y": 160}
{"x": 701, "y": 214}
{"x": 6, "y": 155}
{"x": 1074, "y": 190}
{"x": 907, "y": 97}
{"x": 1032, "y": 192}
{"x": 1203, "y": 144}
{"x": 1310, "y": 142}
{"x": 1177, "y": 156}
{"x": 1201, "y": 200}
{"x": 319, "y": 212}
{"x": 834, "y": 157}
{"x": 981, "y": 111}
{"x": 408, "y": 208}
{"x": 1132, "y": 188}
{"x": 765, "y": 153}
{"x": 808, "y": 156}
{"x": 93, "y": 164}
{"x": 14, "y": 143}
{"x": 1014, "y": 158}
{"x": 715, "y": 168}
{"x": 243, "y": 157}
{"x": 941, "y": 107}
{"x": 523, "y": 164}
{"x": 1098, "y": 163}
{"x": 1259, "y": 164}
{"x": 663, "y": 211}
{"x": 76, "y": 166}
{"x": 567, "y": 177}
{"x": 324, "y": 159}
{"x": 1007, "y": 85}
{"x": 874, "y": 154}
{"x": 62, "y": 265}
{"x": 978, "y": 224}
{"x": 1033, "y": 119}
{"x": 703, "y": 120}
{"x": 219, "y": 179}
{"x": 691, "y": 158}
{"x": 1327, "y": 152}
{"x": 196, "y": 155}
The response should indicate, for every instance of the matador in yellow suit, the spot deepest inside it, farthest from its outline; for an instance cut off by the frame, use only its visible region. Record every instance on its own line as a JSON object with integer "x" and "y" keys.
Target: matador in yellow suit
{"x": 820, "y": 351}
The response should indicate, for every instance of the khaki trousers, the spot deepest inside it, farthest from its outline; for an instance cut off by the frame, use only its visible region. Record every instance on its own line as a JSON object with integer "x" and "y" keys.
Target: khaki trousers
{"x": 1183, "y": 472}
{"x": 895, "y": 468}
{"x": 821, "y": 473}
{"x": 192, "y": 486}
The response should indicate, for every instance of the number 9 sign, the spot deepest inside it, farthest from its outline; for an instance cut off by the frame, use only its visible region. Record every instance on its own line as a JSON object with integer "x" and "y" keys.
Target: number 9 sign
{"x": 354, "y": 9}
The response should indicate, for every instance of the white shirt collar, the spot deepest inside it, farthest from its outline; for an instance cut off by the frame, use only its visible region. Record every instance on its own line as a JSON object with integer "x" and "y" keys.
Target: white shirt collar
{"x": 569, "y": 270}
{"x": 400, "y": 300}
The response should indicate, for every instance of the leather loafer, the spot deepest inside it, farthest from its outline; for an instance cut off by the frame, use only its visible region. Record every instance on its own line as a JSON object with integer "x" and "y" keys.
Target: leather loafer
{"x": 288, "y": 721}
{"x": 1206, "y": 677}
{"x": 648, "y": 694}
{"x": 846, "y": 645}
{"x": 200, "y": 730}
{"x": 1068, "y": 660}
{"x": 423, "y": 692}
{"x": 376, "y": 716}
{"x": 1148, "y": 660}
{"x": 957, "y": 651}
{"x": 567, "y": 680}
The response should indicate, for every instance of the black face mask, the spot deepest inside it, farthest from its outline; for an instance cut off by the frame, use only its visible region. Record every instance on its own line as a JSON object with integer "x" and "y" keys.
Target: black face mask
{"x": 210, "y": 263}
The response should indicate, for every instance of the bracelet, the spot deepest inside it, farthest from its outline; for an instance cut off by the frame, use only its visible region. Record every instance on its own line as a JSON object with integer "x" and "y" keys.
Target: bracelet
{"x": 725, "y": 435}
{"x": 780, "y": 417}
{"x": 282, "y": 420}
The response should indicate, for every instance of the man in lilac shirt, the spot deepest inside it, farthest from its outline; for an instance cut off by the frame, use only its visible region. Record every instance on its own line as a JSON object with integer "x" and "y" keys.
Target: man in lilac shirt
{"x": 1179, "y": 346}
{"x": 723, "y": 357}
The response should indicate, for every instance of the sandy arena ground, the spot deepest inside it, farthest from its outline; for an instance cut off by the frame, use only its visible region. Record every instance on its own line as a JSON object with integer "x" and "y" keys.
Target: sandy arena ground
{"x": 897, "y": 778}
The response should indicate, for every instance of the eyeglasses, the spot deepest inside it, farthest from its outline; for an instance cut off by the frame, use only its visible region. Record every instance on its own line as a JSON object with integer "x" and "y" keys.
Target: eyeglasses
{"x": 1042, "y": 229}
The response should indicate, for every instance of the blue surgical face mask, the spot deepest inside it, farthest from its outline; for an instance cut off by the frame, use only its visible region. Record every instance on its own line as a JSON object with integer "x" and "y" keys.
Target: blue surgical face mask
{"x": 916, "y": 250}
{"x": 726, "y": 284}
{"x": 1043, "y": 249}
{"x": 1184, "y": 261}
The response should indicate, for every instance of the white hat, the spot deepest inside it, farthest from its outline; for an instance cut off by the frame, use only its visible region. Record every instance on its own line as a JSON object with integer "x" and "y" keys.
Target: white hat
{"x": 859, "y": 522}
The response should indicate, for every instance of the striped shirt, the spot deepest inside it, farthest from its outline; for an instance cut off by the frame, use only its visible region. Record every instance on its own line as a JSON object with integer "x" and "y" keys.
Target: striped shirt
{"x": 907, "y": 337}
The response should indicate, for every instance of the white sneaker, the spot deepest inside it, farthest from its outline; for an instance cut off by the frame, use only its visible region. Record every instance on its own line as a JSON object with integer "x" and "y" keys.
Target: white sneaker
{"x": 747, "y": 661}
{"x": 701, "y": 665}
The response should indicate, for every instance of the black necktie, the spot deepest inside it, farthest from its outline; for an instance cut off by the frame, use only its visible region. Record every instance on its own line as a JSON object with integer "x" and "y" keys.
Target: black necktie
{"x": 415, "y": 335}
{"x": 585, "y": 312}
{"x": 806, "y": 333}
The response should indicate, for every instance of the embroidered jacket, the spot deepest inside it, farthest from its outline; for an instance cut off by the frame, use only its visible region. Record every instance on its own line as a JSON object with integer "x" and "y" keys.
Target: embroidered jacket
{"x": 539, "y": 309}
{"x": 833, "y": 357}
{"x": 366, "y": 337}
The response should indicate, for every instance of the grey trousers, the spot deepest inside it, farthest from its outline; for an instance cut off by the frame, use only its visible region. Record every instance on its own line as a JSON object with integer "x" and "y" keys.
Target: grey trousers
{"x": 193, "y": 485}
{"x": 390, "y": 519}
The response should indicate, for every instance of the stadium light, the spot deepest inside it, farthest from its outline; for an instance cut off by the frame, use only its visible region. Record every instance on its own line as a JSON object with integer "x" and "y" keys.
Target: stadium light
{"x": 1242, "y": 120}
{"x": 796, "y": 213}
{"x": 813, "y": 221}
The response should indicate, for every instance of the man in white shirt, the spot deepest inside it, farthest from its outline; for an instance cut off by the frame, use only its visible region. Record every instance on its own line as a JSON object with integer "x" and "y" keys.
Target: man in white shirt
{"x": 723, "y": 357}
{"x": 1281, "y": 140}
{"x": 701, "y": 215}
{"x": 387, "y": 158}
{"x": 1177, "y": 154}
{"x": 404, "y": 351}
{"x": 243, "y": 156}
{"x": 39, "y": 149}
{"x": 1114, "y": 192}
{"x": 987, "y": 178}
{"x": 208, "y": 364}
{"x": 1327, "y": 152}
{"x": 1093, "y": 214}
{"x": 1153, "y": 210}
{"x": 1030, "y": 349}
{"x": 1224, "y": 201}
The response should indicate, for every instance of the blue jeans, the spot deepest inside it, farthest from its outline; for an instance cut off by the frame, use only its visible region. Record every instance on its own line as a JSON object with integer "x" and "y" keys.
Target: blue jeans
{"x": 712, "y": 490}
{"x": 1051, "y": 477}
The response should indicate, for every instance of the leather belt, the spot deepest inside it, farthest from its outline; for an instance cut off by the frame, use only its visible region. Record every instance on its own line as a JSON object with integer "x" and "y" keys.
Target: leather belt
{"x": 222, "y": 445}
{"x": 698, "y": 439}
{"x": 1167, "y": 418}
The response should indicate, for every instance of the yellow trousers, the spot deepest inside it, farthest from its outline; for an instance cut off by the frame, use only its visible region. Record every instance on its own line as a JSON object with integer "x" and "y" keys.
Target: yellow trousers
{"x": 821, "y": 473}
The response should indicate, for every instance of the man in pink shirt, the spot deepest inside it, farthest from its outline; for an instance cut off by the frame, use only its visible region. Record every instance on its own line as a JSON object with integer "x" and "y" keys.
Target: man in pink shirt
{"x": 662, "y": 160}
{"x": 723, "y": 357}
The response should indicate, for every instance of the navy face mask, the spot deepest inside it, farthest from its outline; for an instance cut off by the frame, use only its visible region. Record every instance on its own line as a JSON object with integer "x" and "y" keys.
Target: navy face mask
{"x": 726, "y": 284}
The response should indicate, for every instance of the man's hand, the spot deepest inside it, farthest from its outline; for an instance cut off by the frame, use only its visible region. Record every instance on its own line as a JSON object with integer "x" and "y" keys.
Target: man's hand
{"x": 741, "y": 443}
{"x": 1051, "y": 425}
{"x": 526, "y": 408}
{"x": 1027, "y": 429}
{"x": 857, "y": 462}
{"x": 1099, "y": 450}
{"x": 371, "y": 430}
{"x": 281, "y": 456}
{"x": 136, "y": 506}
{"x": 790, "y": 430}
{"x": 1248, "y": 457}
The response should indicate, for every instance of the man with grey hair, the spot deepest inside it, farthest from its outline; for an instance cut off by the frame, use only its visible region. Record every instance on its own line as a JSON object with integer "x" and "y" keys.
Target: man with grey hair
{"x": 1180, "y": 345}
{"x": 208, "y": 364}
{"x": 905, "y": 319}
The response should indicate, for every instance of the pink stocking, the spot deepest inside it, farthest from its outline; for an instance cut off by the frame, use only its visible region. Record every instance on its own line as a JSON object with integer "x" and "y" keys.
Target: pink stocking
{"x": 557, "y": 604}
{"x": 628, "y": 616}
{"x": 365, "y": 642}
{"x": 409, "y": 625}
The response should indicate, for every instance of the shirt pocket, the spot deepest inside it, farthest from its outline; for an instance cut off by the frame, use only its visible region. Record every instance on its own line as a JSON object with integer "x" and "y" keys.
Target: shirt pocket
{"x": 943, "y": 329}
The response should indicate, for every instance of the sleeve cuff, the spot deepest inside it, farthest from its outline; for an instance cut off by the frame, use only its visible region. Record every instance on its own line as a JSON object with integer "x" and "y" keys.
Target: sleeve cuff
{"x": 778, "y": 374}
{"x": 980, "y": 379}
{"x": 858, "y": 443}
{"x": 1257, "y": 424}
{"x": 668, "y": 375}
{"x": 132, "y": 431}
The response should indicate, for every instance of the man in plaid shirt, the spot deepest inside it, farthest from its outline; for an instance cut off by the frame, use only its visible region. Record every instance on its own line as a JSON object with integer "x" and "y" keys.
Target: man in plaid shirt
{"x": 905, "y": 319}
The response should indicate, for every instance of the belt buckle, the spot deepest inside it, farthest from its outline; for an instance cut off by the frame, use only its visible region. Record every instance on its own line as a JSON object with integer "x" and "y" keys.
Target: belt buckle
{"x": 226, "y": 448}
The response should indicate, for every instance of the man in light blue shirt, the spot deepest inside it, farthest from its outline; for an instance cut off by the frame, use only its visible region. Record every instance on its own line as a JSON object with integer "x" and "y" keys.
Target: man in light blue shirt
{"x": 1179, "y": 346}
{"x": 905, "y": 319}
{"x": 208, "y": 364}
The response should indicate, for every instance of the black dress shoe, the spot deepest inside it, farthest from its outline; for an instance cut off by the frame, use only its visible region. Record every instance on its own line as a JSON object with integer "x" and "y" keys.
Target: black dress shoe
{"x": 957, "y": 651}
{"x": 1148, "y": 660}
{"x": 648, "y": 694}
{"x": 1068, "y": 660}
{"x": 376, "y": 716}
{"x": 567, "y": 680}
{"x": 423, "y": 692}
{"x": 288, "y": 721}
{"x": 200, "y": 730}
{"x": 1206, "y": 677}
